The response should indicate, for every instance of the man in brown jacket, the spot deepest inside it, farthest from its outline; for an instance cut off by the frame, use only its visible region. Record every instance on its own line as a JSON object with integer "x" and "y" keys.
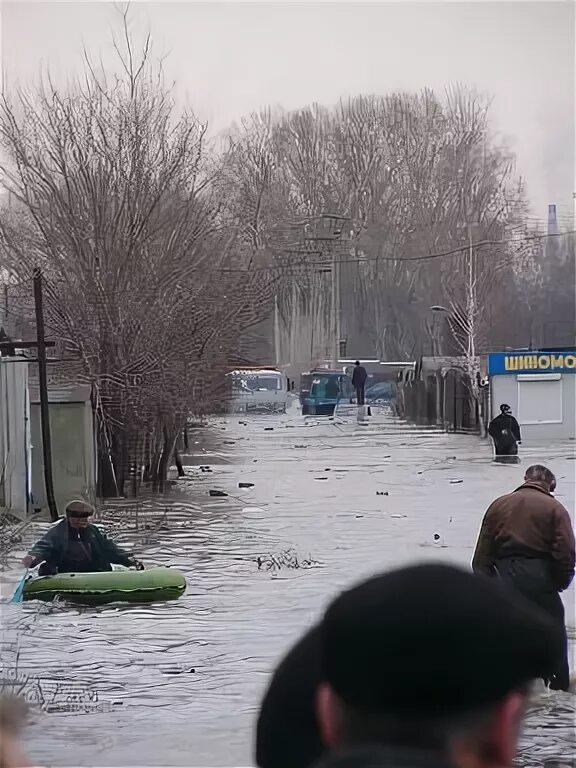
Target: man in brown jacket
{"x": 527, "y": 540}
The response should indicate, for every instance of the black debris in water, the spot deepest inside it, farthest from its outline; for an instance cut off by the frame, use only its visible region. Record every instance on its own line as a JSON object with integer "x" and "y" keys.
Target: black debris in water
{"x": 382, "y": 493}
{"x": 212, "y": 492}
{"x": 285, "y": 559}
{"x": 245, "y": 485}
{"x": 178, "y": 671}
{"x": 436, "y": 536}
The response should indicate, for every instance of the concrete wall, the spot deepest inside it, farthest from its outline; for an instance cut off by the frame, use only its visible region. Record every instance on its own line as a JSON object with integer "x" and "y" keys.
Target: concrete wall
{"x": 73, "y": 453}
{"x": 14, "y": 437}
{"x": 558, "y": 412}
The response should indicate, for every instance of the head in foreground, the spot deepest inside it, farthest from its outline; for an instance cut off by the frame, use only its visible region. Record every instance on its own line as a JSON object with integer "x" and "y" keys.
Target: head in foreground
{"x": 435, "y": 659}
{"x": 428, "y": 660}
{"x": 13, "y": 713}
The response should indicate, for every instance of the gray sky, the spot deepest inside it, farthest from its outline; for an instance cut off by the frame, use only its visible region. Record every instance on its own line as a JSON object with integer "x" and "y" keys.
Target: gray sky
{"x": 232, "y": 58}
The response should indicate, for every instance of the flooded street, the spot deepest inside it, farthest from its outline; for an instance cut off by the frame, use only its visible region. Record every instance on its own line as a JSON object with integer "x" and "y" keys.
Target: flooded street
{"x": 178, "y": 684}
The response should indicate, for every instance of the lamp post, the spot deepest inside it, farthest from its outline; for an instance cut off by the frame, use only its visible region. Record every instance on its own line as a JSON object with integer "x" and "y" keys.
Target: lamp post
{"x": 437, "y": 309}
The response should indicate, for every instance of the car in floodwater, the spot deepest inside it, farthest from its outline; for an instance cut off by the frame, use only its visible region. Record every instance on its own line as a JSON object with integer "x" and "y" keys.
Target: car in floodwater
{"x": 258, "y": 391}
{"x": 321, "y": 390}
{"x": 381, "y": 393}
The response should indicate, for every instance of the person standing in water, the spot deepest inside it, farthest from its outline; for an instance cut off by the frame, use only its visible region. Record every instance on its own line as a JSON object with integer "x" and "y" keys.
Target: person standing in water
{"x": 359, "y": 377}
{"x": 526, "y": 541}
{"x": 505, "y": 432}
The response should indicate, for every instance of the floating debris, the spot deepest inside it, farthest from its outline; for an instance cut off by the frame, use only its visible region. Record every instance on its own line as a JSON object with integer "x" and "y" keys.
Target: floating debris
{"x": 219, "y": 494}
{"x": 382, "y": 493}
{"x": 455, "y": 482}
{"x": 245, "y": 485}
{"x": 286, "y": 559}
{"x": 177, "y": 670}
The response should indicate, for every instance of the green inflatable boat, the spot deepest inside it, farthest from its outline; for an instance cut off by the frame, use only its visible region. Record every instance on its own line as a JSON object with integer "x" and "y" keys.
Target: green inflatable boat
{"x": 147, "y": 586}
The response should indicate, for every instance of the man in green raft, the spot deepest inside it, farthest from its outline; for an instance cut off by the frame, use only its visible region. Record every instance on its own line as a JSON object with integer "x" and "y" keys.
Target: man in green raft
{"x": 74, "y": 545}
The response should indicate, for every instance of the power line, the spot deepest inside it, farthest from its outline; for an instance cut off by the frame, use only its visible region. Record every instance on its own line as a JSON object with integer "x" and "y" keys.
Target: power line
{"x": 366, "y": 259}
{"x": 426, "y": 257}
{"x": 363, "y": 260}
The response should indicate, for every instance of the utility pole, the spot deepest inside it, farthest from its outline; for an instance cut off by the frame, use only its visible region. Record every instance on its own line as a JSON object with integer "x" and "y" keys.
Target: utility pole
{"x": 278, "y": 360}
{"x": 337, "y": 308}
{"x": 333, "y": 357}
{"x": 43, "y": 386}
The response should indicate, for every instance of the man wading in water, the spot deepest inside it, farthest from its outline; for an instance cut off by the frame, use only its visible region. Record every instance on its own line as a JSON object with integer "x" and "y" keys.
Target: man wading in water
{"x": 74, "y": 545}
{"x": 505, "y": 431}
{"x": 527, "y": 541}
{"x": 359, "y": 377}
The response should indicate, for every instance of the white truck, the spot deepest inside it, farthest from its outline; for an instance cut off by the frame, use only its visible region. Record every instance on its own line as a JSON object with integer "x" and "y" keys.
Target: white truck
{"x": 261, "y": 391}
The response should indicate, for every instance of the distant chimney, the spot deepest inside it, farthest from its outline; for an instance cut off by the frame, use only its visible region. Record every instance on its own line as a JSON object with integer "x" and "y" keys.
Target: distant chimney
{"x": 552, "y": 221}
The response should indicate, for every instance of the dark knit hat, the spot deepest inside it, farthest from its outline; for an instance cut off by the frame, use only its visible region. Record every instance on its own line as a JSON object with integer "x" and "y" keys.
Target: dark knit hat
{"x": 433, "y": 639}
{"x": 287, "y": 732}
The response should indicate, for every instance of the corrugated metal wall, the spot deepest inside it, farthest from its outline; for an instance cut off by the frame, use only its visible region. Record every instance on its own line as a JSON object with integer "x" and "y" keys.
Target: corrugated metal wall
{"x": 14, "y": 437}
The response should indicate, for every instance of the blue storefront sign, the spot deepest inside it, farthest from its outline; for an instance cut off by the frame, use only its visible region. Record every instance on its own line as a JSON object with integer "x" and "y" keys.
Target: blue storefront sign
{"x": 533, "y": 361}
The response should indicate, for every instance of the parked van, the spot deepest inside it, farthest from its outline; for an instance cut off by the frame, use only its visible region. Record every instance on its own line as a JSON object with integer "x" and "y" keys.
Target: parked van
{"x": 263, "y": 390}
{"x": 322, "y": 389}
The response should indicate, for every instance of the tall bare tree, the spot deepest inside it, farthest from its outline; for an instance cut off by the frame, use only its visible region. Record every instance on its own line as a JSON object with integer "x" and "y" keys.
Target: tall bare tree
{"x": 118, "y": 205}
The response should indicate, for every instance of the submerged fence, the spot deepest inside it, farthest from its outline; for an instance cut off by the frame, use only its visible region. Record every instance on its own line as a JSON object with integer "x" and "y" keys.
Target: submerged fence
{"x": 444, "y": 399}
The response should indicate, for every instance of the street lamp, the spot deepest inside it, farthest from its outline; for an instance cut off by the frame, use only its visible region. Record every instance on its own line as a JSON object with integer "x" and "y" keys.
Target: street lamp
{"x": 437, "y": 309}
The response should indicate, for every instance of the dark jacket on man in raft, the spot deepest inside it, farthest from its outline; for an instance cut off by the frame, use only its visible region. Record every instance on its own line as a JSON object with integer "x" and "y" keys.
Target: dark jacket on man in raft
{"x": 67, "y": 550}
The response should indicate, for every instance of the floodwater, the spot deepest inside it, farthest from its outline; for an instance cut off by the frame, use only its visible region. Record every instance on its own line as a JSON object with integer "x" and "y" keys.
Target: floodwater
{"x": 178, "y": 684}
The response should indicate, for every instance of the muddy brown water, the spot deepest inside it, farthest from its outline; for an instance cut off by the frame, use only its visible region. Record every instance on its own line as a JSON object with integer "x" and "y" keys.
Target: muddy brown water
{"x": 178, "y": 684}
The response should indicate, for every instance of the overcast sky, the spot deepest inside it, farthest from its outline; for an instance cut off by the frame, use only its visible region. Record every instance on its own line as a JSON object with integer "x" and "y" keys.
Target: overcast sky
{"x": 232, "y": 58}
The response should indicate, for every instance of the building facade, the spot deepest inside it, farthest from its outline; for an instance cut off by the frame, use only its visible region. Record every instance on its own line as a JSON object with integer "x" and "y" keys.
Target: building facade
{"x": 540, "y": 387}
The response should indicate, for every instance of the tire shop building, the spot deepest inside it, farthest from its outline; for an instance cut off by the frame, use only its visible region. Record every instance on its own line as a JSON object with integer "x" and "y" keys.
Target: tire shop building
{"x": 540, "y": 387}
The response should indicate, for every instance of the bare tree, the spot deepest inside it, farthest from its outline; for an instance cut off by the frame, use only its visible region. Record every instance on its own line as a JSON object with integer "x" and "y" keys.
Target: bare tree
{"x": 409, "y": 174}
{"x": 118, "y": 204}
